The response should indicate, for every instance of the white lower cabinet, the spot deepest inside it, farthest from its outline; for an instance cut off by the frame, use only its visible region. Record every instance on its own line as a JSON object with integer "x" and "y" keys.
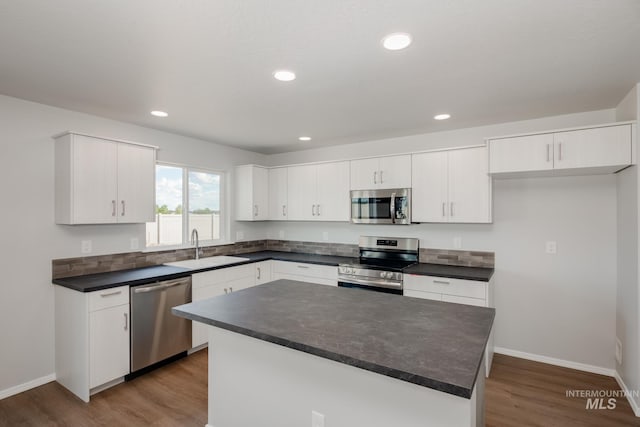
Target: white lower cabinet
{"x": 224, "y": 281}
{"x": 303, "y": 272}
{"x": 92, "y": 339}
{"x": 470, "y": 292}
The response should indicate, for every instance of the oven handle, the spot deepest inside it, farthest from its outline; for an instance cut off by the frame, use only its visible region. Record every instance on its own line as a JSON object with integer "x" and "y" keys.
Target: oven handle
{"x": 370, "y": 282}
{"x": 392, "y": 208}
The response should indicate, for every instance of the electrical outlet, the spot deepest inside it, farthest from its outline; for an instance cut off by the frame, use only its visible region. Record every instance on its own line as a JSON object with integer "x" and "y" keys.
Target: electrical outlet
{"x": 85, "y": 247}
{"x": 325, "y": 236}
{"x": 618, "y": 351}
{"x": 457, "y": 242}
{"x": 134, "y": 243}
{"x": 281, "y": 234}
{"x": 317, "y": 419}
{"x": 551, "y": 247}
{"x": 239, "y": 235}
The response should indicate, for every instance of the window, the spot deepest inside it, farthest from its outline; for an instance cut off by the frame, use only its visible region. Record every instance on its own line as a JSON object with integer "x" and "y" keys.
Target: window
{"x": 186, "y": 198}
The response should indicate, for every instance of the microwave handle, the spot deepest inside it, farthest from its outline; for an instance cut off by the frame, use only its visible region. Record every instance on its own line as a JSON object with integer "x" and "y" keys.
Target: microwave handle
{"x": 392, "y": 208}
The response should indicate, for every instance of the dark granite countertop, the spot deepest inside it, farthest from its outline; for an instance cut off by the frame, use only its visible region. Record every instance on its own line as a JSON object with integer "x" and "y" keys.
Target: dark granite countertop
{"x": 430, "y": 343}
{"x": 144, "y": 275}
{"x": 452, "y": 271}
{"x": 136, "y": 276}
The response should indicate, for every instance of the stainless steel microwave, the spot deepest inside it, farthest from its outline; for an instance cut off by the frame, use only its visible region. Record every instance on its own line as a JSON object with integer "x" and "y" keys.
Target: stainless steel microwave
{"x": 381, "y": 206}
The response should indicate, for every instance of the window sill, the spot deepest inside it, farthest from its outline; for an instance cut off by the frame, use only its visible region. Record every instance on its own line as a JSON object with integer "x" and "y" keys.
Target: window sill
{"x": 203, "y": 245}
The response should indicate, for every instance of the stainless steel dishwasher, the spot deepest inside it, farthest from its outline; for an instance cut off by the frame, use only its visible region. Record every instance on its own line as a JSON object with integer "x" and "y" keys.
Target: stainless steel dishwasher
{"x": 156, "y": 334}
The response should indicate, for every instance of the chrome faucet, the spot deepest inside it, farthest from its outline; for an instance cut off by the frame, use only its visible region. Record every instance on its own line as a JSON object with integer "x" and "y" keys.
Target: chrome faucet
{"x": 195, "y": 241}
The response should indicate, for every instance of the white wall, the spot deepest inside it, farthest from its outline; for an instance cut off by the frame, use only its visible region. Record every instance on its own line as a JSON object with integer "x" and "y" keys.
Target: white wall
{"x": 561, "y": 306}
{"x": 32, "y": 239}
{"x": 628, "y": 294}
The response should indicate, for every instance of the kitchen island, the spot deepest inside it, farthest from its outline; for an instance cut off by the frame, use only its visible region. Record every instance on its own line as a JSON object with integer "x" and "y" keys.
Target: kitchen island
{"x": 285, "y": 349}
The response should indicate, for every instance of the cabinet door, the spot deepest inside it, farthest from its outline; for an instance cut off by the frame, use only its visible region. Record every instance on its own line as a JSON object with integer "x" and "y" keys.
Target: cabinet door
{"x": 301, "y": 192}
{"x": 95, "y": 190}
{"x": 260, "y": 191}
{"x": 136, "y": 183}
{"x": 521, "y": 154}
{"x": 429, "y": 181}
{"x": 365, "y": 174}
{"x": 395, "y": 172}
{"x": 263, "y": 272}
{"x": 200, "y": 331}
{"x": 108, "y": 344}
{"x": 333, "y": 202}
{"x": 278, "y": 194}
{"x": 606, "y": 146}
{"x": 469, "y": 186}
{"x": 464, "y": 300}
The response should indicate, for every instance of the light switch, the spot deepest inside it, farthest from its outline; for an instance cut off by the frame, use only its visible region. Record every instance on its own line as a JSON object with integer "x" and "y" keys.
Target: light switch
{"x": 134, "y": 243}
{"x": 317, "y": 419}
{"x": 85, "y": 247}
{"x": 457, "y": 242}
{"x": 281, "y": 234}
{"x": 239, "y": 235}
{"x": 552, "y": 247}
{"x": 325, "y": 236}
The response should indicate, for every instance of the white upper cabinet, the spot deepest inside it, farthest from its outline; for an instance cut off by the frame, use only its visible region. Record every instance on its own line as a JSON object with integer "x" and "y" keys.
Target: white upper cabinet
{"x": 381, "y": 172}
{"x": 278, "y": 194}
{"x": 318, "y": 192}
{"x": 451, "y": 186}
{"x": 603, "y": 149}
{"x": 101, "y": 181}
{"x": 252, "y": 193}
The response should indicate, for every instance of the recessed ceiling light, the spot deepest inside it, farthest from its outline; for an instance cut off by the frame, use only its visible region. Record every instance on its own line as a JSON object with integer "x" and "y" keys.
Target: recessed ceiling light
{"x": 159, "y": 113}
{"x": 442, "y": 116}
{"x": 305, "y": 138}
{"x": 284, "y": 75}
{"x": 396, "y": 41}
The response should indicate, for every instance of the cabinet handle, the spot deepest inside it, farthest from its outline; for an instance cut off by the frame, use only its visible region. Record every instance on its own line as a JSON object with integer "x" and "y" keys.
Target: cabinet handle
{"x": 258, "y": 268}
{"x": 444, "y": 207}
{"x": 313, "y": 210}
{"x": 284, "y": 213}
{"x": 318, "y": 210}
{"x": 113, "y": 208}
{"x": 560, "y": 151}
{"x": 548, "y": 158}
{"x": 126, "y": 321}
{"x": 230, "y": 289}
{"x": 442, "y": 282}
{"x": 108, "y": 294}
{"x": 451, "y": 208}
{"x": 255, "y": 210}
{"x": 381, "y": 181}
{"x": 303, "y": 266}
{"x": 375, "y": 177}
{"x": 122, "y": 208}
{"x": 225, "y": 291}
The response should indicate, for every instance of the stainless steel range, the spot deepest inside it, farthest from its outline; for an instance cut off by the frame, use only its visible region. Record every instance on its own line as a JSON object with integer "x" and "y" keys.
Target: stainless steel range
{"x": 379, "y": 267}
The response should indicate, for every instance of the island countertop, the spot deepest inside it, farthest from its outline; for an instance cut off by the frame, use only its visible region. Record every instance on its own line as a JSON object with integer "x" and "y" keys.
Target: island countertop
{"x": 430, "y": 343}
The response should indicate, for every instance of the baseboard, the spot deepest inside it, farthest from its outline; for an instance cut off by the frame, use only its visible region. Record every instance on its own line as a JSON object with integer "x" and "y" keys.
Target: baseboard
{"x": 558, "y": 362}
{"x": 632, "y": 401}
{"x": 27, "y": 386}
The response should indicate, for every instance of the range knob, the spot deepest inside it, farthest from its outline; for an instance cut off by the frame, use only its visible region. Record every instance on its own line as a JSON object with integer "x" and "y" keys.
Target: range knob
{"x": 383, "y": 274}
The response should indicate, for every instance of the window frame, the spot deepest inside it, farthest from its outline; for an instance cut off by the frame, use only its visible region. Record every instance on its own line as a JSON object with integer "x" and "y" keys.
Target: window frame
{"x": 186, "y": 231}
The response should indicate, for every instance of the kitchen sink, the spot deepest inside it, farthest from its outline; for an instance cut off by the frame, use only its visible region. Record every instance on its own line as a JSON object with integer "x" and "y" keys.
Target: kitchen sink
{"x": 214, "y": 261}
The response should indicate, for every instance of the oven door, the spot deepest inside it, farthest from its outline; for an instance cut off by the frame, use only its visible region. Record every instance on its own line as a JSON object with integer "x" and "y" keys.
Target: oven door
{"x": 381, "y": 206}
{"x": 369, "y": 286}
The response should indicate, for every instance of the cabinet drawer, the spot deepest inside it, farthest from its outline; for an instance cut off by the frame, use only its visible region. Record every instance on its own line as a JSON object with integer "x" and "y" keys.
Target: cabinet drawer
{"x": 221, "y": 275}
{"x": 108, "y": 298}
{"x": 308, "y": 270}
{"x": 464, "y": 300}
{"x": 308, "y": 279}
{"x": 423, "y": 295}
{"x": 445, "y": 285}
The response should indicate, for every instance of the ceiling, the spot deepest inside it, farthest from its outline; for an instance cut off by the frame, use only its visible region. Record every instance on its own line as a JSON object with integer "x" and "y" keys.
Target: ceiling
{"x": 209, "y": 63}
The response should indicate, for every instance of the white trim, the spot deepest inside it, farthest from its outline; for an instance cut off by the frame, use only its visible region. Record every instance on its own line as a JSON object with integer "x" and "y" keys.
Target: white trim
{"x": 27, "y": 386}
{"x": 107, "y": 138}
{"x": 632, "y": 401}
{"x": 604, "y": 125}
{"x": 557, "y": 362}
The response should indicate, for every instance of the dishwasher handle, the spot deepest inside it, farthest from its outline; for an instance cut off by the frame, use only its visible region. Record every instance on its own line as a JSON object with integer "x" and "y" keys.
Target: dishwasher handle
{"x": 161, "y": 286}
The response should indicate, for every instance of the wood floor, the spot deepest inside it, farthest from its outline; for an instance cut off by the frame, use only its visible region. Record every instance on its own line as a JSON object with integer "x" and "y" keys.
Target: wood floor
{"x": 519, "y": 393}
